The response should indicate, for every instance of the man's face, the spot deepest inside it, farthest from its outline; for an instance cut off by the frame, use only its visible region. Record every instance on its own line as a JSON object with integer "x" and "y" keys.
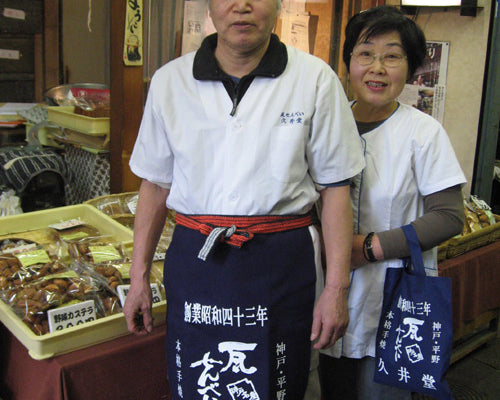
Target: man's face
{"x": 244, "y": 25}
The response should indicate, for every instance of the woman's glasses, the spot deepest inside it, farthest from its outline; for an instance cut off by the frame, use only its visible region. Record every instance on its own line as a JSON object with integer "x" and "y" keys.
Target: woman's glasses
{"x": 389, "y": 59}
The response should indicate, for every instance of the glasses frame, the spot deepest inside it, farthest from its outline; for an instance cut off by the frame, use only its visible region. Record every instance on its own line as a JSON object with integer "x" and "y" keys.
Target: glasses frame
{"x": 380, "y": 57}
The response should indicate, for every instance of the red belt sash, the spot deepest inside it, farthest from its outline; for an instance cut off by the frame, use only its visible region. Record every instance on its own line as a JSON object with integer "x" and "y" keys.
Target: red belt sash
{"x": 238, "y": 230}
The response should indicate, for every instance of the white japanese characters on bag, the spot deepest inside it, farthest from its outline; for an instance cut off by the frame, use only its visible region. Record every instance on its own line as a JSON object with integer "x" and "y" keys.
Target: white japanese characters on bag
{"x": 414, "y": 337}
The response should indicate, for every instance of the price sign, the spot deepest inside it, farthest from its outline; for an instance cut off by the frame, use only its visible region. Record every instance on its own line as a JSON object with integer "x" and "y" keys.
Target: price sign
{"x": 123, "y": 291}
{"x": 71, "y": 315}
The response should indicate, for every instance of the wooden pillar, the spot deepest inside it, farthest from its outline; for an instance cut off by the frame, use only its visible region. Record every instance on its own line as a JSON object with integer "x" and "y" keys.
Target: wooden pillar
{"x": 126, "y": 88}
{"x": 51, "y": 56}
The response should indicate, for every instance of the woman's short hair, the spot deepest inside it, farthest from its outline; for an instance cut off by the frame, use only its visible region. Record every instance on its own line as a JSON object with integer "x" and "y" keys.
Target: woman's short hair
{"x": 385, "y": 19}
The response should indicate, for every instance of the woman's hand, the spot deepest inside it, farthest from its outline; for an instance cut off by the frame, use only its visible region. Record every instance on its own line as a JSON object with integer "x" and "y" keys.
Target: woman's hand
{"x": 357, "y": 257}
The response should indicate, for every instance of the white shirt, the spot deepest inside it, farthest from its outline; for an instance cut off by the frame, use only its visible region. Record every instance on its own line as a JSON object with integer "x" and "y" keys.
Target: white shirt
{"x": 407, "y": 157}
{"x": 288, "y": 134}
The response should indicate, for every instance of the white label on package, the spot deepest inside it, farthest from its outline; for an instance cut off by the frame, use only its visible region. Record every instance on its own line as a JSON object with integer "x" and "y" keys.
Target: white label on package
{"x": 19, "y": 249}
{"x": 14, "y": 13}
{"x": 123, "y": 291}
{"x": 72, "y": 315}
{"x": 66, "y": 224}
{"x": 132, "y": 205}
{"x": 10, "y": 54}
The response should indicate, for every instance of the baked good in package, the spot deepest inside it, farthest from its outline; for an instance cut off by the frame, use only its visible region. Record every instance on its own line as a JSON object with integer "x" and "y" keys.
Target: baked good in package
{"x": 478, "y": 215}
{"x": 34, "y": 281}
{"x": 116, "y": 205}
{"x": 33, "y": 300}
{"x": 21, "y": 263}
{"x": 73, "y": 231}
{"x": 91, "y": 102}
{"x": 37, "y": 280}
{"x": 97, "y": 111}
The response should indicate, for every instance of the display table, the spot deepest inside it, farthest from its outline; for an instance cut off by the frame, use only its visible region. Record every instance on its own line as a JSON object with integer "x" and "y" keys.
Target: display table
{"x": 129, "y": 367}
{"x": 475, "y": 280}
{"x": 133, "y": 367}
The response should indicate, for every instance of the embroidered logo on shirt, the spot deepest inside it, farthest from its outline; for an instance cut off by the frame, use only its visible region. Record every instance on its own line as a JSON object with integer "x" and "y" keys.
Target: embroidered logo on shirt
{"x": 291, "y": 118}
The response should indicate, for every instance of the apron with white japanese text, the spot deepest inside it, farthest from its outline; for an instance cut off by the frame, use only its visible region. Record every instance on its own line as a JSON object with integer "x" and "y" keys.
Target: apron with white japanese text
{"x": 238, "y": 323}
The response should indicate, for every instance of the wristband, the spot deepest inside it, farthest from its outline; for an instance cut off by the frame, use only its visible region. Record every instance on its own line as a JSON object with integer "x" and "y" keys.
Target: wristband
{"x": 368, "y": 248}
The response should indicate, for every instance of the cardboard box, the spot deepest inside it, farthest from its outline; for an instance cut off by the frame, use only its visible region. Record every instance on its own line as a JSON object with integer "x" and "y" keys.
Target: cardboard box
{"x": 81, "y": 336}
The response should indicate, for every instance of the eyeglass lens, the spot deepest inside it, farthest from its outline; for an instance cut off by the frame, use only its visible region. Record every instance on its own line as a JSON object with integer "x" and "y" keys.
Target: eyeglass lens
{"x": 389, "y": 59}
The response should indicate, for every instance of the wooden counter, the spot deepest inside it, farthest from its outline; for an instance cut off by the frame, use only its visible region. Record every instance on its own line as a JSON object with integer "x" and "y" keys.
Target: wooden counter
{"x": 475, "y": 278}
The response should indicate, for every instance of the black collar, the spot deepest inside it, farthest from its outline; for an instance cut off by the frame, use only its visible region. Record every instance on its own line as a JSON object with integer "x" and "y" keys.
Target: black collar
{"x": 205, "y": 66}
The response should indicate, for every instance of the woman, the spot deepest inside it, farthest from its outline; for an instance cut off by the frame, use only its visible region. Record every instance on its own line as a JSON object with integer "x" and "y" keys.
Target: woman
{"x": 411, "y": 176}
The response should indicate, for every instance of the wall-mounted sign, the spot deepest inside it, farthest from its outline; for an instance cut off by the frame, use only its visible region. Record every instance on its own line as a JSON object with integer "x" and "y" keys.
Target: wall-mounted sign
{"x": 132, "y": 46}
{"x": 426, "y": 89}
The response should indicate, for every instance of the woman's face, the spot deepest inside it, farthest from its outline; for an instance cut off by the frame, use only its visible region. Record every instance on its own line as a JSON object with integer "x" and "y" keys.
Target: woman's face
{"x": 376, "y": 86}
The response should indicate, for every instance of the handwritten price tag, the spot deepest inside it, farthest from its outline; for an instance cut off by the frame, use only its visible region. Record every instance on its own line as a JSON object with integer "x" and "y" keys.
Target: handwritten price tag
{"x": 123, "y": 291}
{"x": 71, "y": 315}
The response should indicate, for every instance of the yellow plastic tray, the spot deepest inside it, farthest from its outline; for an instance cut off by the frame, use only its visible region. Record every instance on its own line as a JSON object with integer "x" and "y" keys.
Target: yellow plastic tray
{"x": 44, "y": 135}
{"x": 65, "y": 116}
{"x": 82, "y": 336}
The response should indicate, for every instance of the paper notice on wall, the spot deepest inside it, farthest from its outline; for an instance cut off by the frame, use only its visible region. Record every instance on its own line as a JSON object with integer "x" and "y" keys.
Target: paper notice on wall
{"x": 197, "y": 25}
{"x": 438, "y": 103}
{"x": 295, "y": 30}
{"x": 293, "y": 6}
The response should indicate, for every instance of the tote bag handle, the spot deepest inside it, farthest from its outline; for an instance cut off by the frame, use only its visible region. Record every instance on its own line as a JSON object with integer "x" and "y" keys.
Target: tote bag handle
{"x": 415, "y": 251}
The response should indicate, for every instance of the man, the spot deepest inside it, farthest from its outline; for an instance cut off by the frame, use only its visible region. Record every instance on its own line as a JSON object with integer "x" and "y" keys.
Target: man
{"x": 241, "y": 139}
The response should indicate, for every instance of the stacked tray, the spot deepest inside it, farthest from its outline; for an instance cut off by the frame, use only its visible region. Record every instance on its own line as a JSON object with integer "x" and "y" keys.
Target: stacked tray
{"x": 34, "y": 228}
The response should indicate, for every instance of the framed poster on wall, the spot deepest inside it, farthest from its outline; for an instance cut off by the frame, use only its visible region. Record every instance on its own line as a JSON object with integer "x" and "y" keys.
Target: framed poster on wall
{"x": 426, "y": 88}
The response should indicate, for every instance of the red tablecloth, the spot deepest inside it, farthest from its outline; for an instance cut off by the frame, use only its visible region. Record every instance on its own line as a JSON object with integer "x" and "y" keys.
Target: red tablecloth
{"x": 475, "y": 280}
{"x": 129, "y": 367}
{"x": 134, "y": 367}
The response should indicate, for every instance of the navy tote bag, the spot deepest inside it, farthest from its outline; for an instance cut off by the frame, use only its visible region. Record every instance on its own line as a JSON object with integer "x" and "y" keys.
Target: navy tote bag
{"x": 414, "y": 337}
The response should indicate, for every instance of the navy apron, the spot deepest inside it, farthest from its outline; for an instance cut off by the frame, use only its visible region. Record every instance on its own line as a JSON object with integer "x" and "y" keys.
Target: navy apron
{"x": 239, "y": 323}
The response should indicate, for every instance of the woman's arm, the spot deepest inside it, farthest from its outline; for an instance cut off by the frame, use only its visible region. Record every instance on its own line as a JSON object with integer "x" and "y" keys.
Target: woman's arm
{"x": 443, "y": 218}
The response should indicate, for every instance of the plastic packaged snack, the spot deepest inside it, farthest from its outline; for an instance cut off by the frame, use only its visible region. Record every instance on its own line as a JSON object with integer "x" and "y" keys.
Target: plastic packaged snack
{"x": 32, "y": 300}
{"x": 98, "y": 250}
{"x": 76, "y": 233}
{"x": 22, "y": 267}
{"x": 105, "y": 279}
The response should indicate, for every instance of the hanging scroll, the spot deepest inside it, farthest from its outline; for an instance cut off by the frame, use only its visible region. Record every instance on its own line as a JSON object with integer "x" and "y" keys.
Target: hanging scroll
{"x": 132, "y": 46}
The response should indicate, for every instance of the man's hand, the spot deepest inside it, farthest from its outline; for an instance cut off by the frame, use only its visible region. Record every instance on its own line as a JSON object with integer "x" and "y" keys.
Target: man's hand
{"x": 330, "y": 318}
{"x": 331, "y": 315}
{"x": 137, "y": 309}
{"x": 149, "y": 222}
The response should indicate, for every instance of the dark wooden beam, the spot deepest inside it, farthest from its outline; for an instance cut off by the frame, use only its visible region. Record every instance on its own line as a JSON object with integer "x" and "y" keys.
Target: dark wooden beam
{"x": 51, "y": 43}
{"x": 126, "y": 88}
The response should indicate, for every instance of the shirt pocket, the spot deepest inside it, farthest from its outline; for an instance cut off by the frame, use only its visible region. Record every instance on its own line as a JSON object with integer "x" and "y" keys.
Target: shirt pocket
{"x": 288, "y": 154}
